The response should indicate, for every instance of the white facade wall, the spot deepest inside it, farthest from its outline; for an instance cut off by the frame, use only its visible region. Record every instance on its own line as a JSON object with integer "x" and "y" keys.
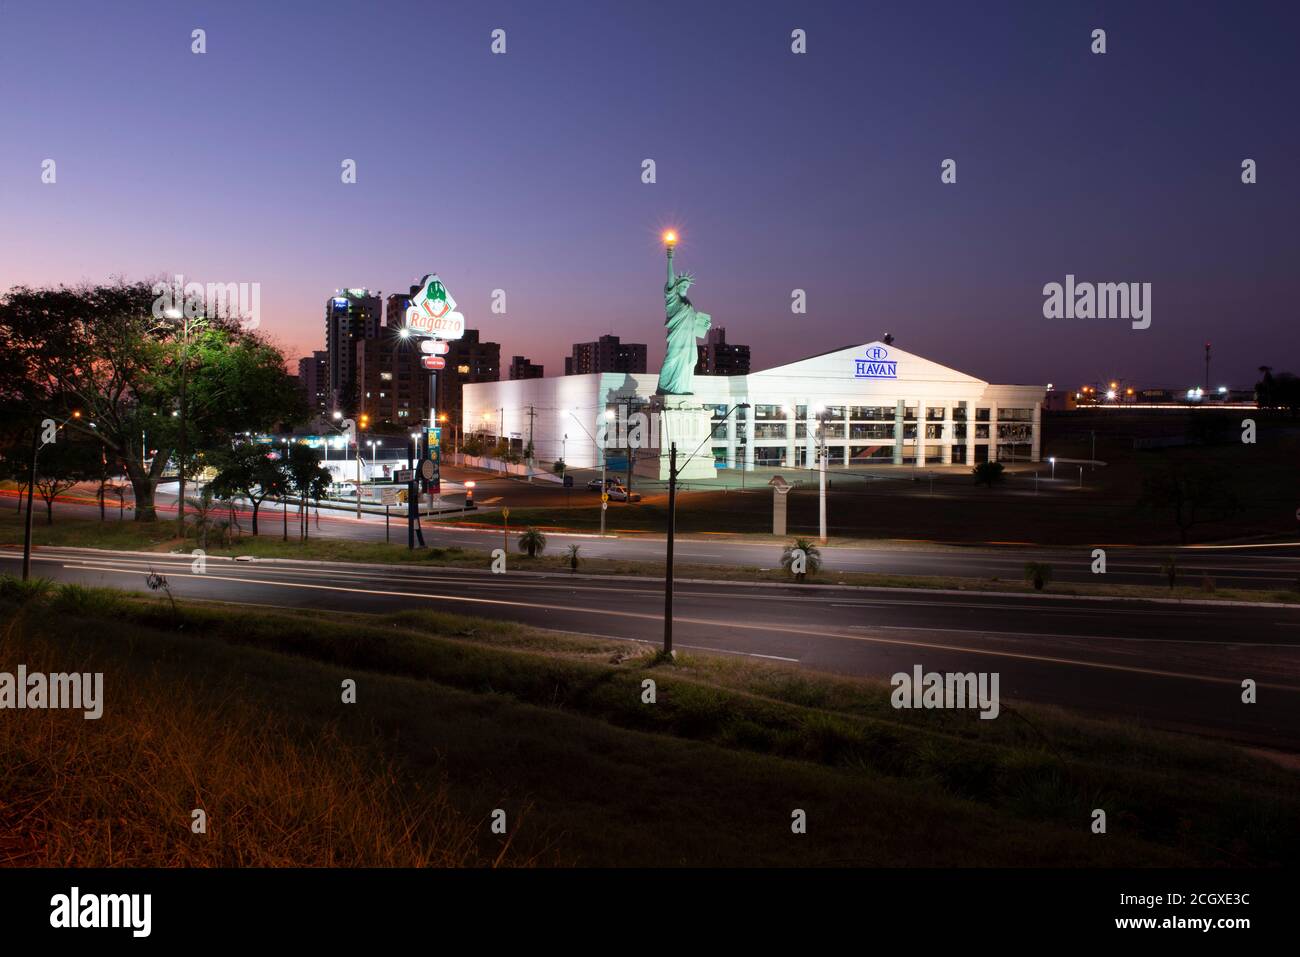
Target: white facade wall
{"x": 915, "y": 415}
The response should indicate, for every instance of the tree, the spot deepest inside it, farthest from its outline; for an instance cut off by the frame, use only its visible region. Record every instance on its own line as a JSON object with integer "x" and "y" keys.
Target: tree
{"x": 988, "y": 473}
{"x": 1190, "y": 492}
{"x": 248, "y": 471}
{"x": 142, "y": 382}
{"x": 308, "y": 479}
{"x": 558, "y": 467}
{"x": 801, "y": 558}
{"x": 61, "y": 465}
{"x": 574, "y": 557}
{"x": 532, "y": 541}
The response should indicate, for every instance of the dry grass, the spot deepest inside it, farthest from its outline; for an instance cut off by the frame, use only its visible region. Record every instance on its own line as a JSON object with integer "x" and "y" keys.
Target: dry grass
{"x": 120, "y": 791}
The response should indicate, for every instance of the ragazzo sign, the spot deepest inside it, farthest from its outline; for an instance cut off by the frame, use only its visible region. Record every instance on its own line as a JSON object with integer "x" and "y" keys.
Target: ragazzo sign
{"x": 875, "y": 365}
{"x": 433, "y": 311}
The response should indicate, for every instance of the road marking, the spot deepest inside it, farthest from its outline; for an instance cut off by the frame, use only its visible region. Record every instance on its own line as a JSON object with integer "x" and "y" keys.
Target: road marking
{"x": 780, "y": 629}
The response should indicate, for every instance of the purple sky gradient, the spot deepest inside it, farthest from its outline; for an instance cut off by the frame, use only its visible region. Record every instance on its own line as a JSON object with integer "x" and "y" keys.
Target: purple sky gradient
{"x": 821, "y": 171}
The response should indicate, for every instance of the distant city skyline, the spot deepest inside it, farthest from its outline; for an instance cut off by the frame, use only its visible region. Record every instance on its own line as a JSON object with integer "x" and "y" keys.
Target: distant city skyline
{"x": 818, "y": 172}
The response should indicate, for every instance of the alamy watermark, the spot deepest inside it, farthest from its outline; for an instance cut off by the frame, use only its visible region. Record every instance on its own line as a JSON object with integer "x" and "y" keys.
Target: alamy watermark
{"x": 193, "y": 300}
{"x": 36, "y": 691}
{"x": 952, "y": 690}
{"x": 1103, "y": 300}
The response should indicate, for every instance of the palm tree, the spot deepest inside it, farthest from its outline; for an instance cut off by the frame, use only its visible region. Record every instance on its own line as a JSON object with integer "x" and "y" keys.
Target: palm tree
{"x": 532, "y": 541}
{"x": 801, "y": 557}
{"x": 573, "y": 558}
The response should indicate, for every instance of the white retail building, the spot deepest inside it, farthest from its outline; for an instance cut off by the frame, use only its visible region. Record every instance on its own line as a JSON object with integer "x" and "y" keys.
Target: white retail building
{"x": 871, "y": 405}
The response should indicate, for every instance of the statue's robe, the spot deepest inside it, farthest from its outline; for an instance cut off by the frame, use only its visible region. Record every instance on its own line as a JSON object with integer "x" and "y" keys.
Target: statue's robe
{"x": 684, "y": 325}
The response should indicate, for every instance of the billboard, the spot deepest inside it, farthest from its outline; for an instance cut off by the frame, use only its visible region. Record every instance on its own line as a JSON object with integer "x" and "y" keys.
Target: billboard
{"x": 433, "y": 311}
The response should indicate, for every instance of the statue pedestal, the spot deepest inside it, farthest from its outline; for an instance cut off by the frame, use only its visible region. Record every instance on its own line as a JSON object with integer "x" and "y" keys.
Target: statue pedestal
{"x": 689, "y": 424}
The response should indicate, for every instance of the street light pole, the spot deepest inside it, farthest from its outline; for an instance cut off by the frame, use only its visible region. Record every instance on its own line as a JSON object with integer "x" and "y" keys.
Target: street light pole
{"x": 672, "y": 526}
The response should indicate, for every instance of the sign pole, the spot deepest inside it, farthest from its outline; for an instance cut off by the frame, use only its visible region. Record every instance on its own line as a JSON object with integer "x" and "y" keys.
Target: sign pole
{"x": 668, "y": 568}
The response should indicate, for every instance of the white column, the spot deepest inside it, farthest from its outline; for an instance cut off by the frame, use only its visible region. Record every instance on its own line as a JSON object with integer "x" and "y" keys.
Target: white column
{"x": 993, "y": 431}
{"x": 970, "y": 432}
{"x": 899, "y": 429}
{"x": 791, "y": 417}
{"x": 1037, "y": 437}
{"x": 749, "y": 437}
{"x": 947, "y": 433}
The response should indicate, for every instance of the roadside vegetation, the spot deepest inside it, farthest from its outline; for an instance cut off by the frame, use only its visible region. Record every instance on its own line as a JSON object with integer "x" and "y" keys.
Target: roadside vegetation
{"x": 239, "y": 711}
{"x": 162, "y": 537}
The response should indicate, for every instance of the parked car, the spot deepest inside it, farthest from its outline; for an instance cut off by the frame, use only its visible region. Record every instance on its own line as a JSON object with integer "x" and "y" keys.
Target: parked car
{"x": 594, "y": 484}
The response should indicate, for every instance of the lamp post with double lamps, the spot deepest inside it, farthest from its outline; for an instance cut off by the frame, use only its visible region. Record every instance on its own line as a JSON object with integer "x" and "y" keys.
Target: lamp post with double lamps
{"x": 609, "y": 415}
{"x": 673, "y": 471}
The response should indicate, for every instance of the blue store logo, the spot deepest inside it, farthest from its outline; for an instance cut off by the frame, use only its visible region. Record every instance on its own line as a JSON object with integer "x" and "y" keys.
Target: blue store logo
{"x": 874, "y": 366}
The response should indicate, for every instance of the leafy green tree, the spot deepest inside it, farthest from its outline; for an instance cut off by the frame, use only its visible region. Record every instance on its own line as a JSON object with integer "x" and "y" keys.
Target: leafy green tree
{"x": 307, "y": 479}
{"x": 61, "y": 465}
{"x": 559, "y": 468}
{"x": 248, "y": 471}
{"x": 177, "y": 386}
{"x": 988, "y": 473}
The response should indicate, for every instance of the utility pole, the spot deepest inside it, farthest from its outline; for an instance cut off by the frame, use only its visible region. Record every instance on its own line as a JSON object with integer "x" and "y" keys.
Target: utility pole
{"x": 668, "y": 568}
{"x": 531, "y": 413}
{"x": 31, "y": 485}
{"x": 1207, "y": 368}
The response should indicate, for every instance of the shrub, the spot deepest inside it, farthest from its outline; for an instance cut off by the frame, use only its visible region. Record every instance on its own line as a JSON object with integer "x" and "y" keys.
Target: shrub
{"x": 532, "y": 541}
{"x": 22, "y": 592}
{"x": 988, "y": 473}
{"x": 1038, "y": 574}
{"x": 800, "y": 558}
{"x": 573, "y": 557}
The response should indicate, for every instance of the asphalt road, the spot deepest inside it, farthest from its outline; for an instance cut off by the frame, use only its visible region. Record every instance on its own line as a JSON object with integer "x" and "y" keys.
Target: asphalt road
{"x": 1165, "y": 665}
{"x": 1252, "y": 566}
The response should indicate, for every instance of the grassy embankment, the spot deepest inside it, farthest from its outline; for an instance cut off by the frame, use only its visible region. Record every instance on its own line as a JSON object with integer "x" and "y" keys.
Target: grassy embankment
{"x": 238, "y": 711}
{"x": 161, "y": 537}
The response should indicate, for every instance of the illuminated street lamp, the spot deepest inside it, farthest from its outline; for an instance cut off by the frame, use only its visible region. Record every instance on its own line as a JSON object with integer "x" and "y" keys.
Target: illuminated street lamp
{"x": 674, "y": 471}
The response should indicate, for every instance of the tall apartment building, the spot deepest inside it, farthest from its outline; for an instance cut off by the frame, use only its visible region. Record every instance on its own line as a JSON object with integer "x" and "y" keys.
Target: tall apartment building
{"x": 351, "y": 315}
{"x": 313, "y": 380}
{"x": 606, "y": 354}
{"x": 718, "y": 357}
{"x": 468, "y": 360}
{"x": 392, "y": 386}
{"x": 521, "y": 367}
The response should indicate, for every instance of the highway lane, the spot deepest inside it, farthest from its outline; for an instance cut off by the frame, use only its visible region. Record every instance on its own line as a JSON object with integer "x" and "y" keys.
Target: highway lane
{"x": 1167, "y": 665}
{"x": 1259, "y": 566}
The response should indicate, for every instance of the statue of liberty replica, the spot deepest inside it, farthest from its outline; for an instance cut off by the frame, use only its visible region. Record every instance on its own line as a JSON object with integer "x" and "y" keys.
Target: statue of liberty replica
{"x": 682, "y": 420}
{"x": 684, "y": 325}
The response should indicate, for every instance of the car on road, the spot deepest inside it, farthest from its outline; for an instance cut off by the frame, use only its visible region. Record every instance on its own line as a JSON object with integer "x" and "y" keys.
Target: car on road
{"x": 618, "y": 493}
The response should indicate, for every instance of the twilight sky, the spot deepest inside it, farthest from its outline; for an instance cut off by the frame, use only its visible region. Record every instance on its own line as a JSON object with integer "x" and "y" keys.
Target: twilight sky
{"x": 818, "y": 171}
